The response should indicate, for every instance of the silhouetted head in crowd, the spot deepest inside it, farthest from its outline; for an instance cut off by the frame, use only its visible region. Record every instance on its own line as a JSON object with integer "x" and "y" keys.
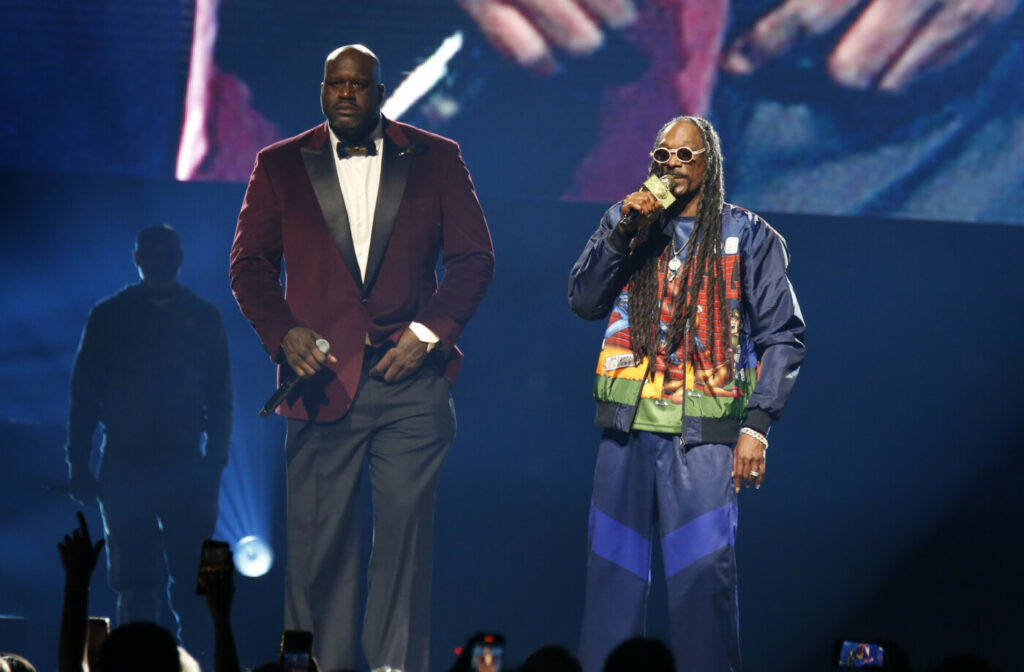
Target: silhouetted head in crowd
{"x": 965, "y": 662}
{"x": 640, "y": 654}
{"x": 140, "y": 647}
{"x": 158, "y": 255}
{"x": 551, "y": 658}
{"x": 15, "y": 663}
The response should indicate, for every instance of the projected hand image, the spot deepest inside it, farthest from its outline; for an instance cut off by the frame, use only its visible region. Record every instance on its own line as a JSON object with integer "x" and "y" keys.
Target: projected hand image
{"x": 888, "y": 45}
{"x": 790, "y": 81}
{"x": 530, "y": 31}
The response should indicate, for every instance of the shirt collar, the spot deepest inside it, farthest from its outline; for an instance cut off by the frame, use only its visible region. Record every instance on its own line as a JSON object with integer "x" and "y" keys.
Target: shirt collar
{"x": 377, "y": 135}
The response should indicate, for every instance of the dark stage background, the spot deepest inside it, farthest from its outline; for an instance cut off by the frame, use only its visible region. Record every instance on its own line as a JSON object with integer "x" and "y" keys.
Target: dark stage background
{"x": 890, "y": 508}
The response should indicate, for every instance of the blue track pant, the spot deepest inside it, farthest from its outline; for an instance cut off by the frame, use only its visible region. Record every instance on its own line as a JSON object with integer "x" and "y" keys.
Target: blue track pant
{"x": 643, "y": 478}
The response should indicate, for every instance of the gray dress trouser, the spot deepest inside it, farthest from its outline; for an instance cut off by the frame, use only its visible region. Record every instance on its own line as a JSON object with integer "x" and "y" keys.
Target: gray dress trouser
{"x": 404, "y": 430}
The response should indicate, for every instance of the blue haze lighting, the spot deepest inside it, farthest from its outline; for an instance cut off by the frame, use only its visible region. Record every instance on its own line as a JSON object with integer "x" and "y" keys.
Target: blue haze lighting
{"x": 247, "y": 489}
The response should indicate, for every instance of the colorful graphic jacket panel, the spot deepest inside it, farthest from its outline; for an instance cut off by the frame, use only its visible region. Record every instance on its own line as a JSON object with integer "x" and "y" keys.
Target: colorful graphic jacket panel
{"x": 742, "y": 378}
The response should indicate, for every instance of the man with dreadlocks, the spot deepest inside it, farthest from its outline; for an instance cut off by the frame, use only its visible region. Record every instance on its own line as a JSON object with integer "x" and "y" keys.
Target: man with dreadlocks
{"x": 703, "y": 345}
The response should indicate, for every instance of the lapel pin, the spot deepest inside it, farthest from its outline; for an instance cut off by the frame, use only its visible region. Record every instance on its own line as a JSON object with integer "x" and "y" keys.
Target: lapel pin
{"x": 412, "y": 149}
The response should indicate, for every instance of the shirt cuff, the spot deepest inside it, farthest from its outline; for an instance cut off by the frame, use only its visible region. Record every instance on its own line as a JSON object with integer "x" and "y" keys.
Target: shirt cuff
{"x": 425, "y": 335}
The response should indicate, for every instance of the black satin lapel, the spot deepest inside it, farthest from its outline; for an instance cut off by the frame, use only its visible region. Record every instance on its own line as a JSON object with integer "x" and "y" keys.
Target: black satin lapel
{"x": 394, "y": 171}
{"x": 324, "y": 176}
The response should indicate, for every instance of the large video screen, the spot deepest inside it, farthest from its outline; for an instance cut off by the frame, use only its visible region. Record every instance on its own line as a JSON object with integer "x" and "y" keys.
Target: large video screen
{"x": 844, "y": 107}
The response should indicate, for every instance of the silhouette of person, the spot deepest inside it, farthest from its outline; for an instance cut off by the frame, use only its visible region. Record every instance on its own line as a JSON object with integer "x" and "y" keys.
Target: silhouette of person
{"x": 152, "y": 370}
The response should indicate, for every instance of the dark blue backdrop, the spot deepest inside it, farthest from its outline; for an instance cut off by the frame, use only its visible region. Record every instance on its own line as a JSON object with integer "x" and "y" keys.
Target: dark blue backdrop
{"x": 889, "y": 509}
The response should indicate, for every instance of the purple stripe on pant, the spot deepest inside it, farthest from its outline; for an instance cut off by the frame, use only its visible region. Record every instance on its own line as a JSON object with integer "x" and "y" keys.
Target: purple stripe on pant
{"x": 643, "y": 479}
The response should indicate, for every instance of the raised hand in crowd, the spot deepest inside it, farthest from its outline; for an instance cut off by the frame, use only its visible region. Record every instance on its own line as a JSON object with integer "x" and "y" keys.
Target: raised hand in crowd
{"x": 219, "y": 587}
{"x": 78, "y": 555}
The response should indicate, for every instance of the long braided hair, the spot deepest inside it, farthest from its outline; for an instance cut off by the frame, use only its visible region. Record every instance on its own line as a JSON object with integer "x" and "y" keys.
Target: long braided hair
{"x": 703, "y": 256}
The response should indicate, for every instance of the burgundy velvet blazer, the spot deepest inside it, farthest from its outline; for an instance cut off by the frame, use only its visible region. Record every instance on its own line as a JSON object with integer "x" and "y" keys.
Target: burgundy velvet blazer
{"x": 294, "y": 212}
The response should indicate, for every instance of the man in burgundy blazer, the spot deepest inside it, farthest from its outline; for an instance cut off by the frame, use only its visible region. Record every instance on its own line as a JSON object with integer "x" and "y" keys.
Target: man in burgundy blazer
{"x": 363, "y": 279}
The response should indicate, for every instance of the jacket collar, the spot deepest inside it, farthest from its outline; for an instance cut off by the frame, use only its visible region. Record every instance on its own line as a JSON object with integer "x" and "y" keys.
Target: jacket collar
{"x": 396, "y": 160}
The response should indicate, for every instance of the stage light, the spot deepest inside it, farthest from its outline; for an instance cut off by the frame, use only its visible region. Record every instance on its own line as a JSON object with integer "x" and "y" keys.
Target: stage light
{"x": 246, "y": 503}
{"x": 253, "y": 556}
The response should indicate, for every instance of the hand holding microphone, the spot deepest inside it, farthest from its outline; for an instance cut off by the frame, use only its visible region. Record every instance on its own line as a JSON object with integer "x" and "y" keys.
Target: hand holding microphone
{"x": 303, "y": 350}
{"x": 306, "y": 353}
{"x": 654, "y": 195}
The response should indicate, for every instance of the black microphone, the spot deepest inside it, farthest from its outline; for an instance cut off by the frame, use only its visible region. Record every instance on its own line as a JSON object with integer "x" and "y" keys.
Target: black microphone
{"x": 626, "y": 221}
{"x": 287, "y": 385}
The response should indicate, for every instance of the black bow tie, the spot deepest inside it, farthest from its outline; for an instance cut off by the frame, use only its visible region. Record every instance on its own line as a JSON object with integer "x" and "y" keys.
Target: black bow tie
{"x": 347, "y": 149}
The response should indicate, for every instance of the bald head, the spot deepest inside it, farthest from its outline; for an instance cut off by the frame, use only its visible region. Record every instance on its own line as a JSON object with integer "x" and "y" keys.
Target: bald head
{"x": 351, "y": 93}
{"x": 355, "y": 50}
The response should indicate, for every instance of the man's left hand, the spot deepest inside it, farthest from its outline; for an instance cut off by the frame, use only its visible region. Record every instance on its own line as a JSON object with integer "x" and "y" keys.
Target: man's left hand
{"x": 748, "y": 462}
{"x": 401, "y": 361}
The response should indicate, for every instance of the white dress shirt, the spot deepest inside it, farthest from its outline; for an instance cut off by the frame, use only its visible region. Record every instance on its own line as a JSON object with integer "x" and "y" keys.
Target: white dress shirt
{"x": 359, "y": 178}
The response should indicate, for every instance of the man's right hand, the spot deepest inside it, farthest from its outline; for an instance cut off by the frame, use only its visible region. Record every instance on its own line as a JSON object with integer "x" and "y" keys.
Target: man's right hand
{"x": 79, "y": 555}
{"x": 299, "y": 346}
{"x": 642, "y": 202}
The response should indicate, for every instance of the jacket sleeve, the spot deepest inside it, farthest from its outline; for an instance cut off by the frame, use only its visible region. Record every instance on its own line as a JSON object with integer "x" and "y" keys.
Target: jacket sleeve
{"x": 256, "y": 253}
{"x": 600, "y": 273}
{"x": 468, "y": 256}
{"x": 87, "y": 382}
{"x": 217, "y": 393}
{"x": 776, "y": 323}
